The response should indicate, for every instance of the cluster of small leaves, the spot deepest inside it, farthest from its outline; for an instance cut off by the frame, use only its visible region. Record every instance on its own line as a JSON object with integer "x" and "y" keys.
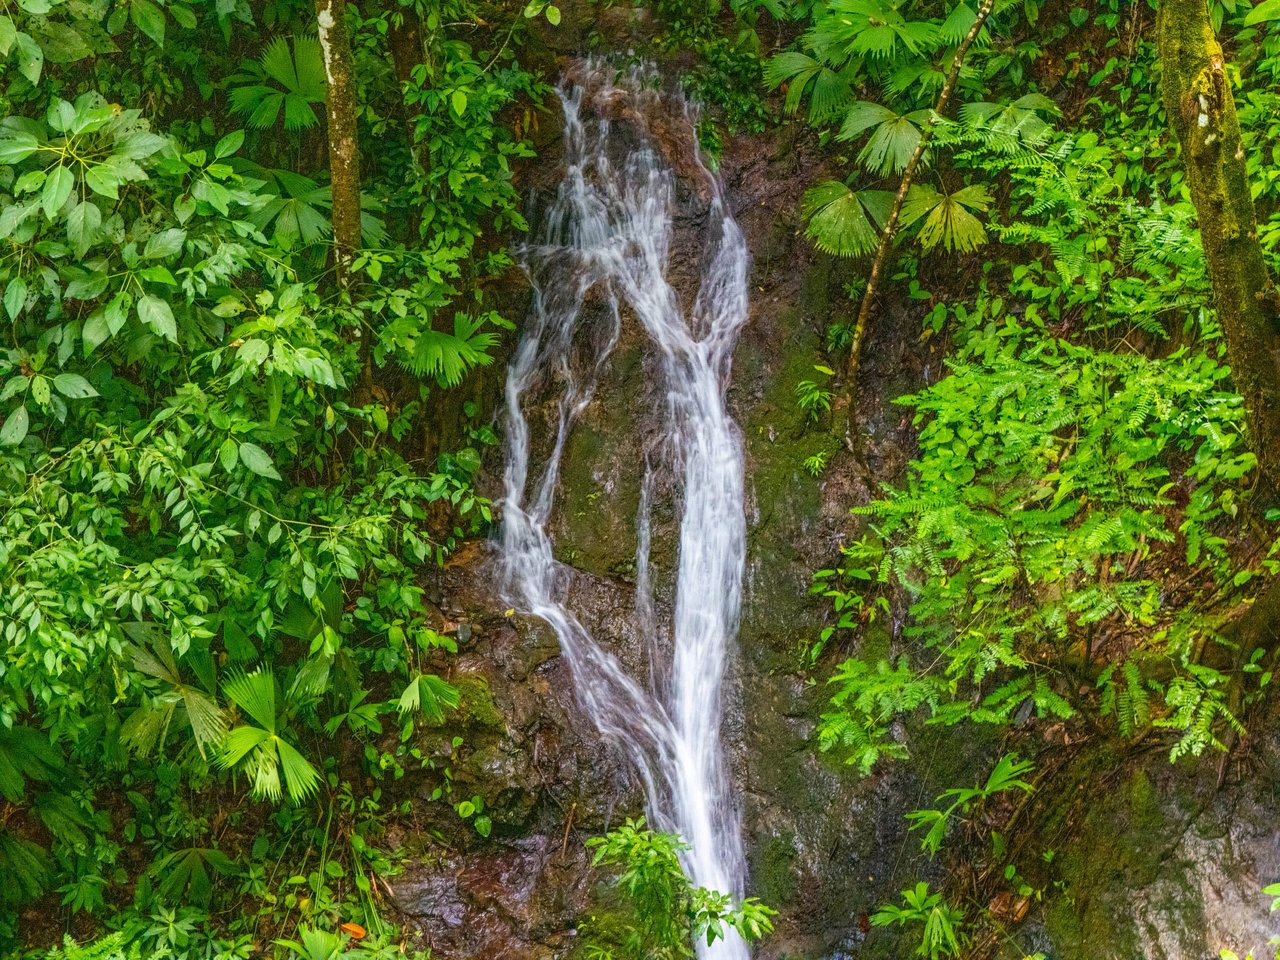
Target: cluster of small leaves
{"x": 667, "y": 914}
{"x": 1042, "y": 510}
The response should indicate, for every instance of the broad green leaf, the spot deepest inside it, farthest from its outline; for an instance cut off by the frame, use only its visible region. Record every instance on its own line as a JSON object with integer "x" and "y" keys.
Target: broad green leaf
{"x": 15, "y": 428}
{"x": 139, "y": 145}
{"x": 8, "y": 34}
{"x": 255, "y": 694}
{"x": 104, "y": 323}
{"x": 862, "y": 116}
{"x": 228, "y": 454}
{"x": 61, "y": 115}
{"x": 15, "y": 296}
{"x": 157, "y": 315}
{"x": 1267, "y": 10}
{"x": 891, "y": 145}
{"x": 229, "y": 144}
{"x": 165, "y": 244}
{"x": 82, "y": 226}
{"x": 88, "y": 286}
{"x": 301, "y": 779}
{"x": 838, "y": 221}
{"x": 16, "y": 147}
{"x": 459, "y": 101}
{"x": 30, "y": 58}
{"x": 103, "y": 180}
{"x": 949, "y": 221}
{"x": 73, "y": 386}
{"x": 57, "y": 189}
{"x": 258, "y": 461}
{"x": 148, "y": 18}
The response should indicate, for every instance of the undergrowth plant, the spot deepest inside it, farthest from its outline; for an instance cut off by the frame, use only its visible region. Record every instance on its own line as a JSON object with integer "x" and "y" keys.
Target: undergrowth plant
{"x": 664, "y": 914}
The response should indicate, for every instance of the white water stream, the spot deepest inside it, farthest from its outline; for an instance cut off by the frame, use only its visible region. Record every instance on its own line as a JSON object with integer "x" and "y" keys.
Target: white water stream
{"x": 606, "y": 237}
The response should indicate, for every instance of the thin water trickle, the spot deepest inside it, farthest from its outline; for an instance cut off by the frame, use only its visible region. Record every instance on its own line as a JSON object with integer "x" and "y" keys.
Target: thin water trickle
{"x": 607, "y": 237}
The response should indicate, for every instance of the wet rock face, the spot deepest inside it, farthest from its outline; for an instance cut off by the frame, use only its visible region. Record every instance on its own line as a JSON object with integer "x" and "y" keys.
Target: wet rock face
{"x": 547, "y": 778}
{"x": 1163, "y": 864}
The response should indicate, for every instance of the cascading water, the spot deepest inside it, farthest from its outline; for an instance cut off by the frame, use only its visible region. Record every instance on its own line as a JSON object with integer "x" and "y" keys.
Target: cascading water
{"x": 604, "y": 246}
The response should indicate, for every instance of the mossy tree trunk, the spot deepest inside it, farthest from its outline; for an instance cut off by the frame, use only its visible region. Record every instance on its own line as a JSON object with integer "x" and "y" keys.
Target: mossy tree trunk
{"x": 1201, "y": 109}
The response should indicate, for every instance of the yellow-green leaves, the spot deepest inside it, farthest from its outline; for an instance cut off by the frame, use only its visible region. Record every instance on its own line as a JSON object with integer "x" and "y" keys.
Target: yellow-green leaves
{"x": 894, "y": 136}
{"x": 949, "y": 217}
{"x": 260, "y": 751}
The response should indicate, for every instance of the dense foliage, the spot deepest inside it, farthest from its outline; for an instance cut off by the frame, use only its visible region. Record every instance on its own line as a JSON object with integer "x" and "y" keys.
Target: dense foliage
{"x": 231, "y": 438}
{"x": 216, "y": 490}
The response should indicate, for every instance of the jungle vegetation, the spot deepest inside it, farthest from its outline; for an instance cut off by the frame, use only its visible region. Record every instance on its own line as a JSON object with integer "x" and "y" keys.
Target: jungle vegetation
{"x": 251, "y": 255}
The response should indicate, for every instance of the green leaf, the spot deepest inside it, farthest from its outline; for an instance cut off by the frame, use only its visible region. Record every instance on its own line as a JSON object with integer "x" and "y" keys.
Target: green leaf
{"x": 862, "y": 116}
{"x": 105, "y": 322}
{"x": 255, "y": 694}
{"x": 157, "y": 315}
{"x": 165, "y": 244}
{"x": 229, "y": 144}
{"x": 17, "y": 147}
{"x": 103, "y": 180}
{"x": 57, "y": 188}
{"x": 73, "y": 386}
{"x": 8, "y": 34}
{"x": 148, "y": 18}
{"x": 949, "y": 221}
{"x": 229, "y": 454}
{"x": 258, "y": 461}
{"x": 15, "y": 297}
{"x": 301, "y": 779}
{"x": 30, "y": 58}
{"x": 838, "y": 221}
{"x": 15, "y": 428}
{"x": 1267, "y": 10}
{"x": 430, "y": 694}
{"x": 82, "y": 226}
{"x": 459, "y": 101}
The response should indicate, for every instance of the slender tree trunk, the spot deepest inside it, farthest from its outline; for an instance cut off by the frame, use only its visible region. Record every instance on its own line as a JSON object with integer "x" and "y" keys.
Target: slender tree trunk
{"x": 1201, "y": 109}
{"x": 344, "y": 150}
{"x": 884, "y": 250}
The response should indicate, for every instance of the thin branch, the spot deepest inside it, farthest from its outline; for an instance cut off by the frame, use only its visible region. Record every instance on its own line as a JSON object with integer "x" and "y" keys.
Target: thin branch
{"x": 890, "y": 232}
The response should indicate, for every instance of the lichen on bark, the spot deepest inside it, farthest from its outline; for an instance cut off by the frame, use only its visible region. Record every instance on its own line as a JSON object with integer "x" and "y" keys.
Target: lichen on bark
{"x": 344, "y": 150}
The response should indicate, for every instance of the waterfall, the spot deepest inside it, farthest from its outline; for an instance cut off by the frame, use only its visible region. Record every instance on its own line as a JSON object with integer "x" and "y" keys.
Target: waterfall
{"x": 605, "y": 240}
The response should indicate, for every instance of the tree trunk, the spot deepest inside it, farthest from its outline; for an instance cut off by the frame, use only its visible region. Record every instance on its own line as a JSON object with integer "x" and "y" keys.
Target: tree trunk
{"x": 1201, "y": 109}
{"x": 344, "y": 150}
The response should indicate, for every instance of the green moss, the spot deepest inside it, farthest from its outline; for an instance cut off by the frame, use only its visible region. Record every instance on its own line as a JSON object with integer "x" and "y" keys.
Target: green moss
{"x": 477, "y": 710}
{"x": 1119, "y": 846}
{"x": 776, "y": 876}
